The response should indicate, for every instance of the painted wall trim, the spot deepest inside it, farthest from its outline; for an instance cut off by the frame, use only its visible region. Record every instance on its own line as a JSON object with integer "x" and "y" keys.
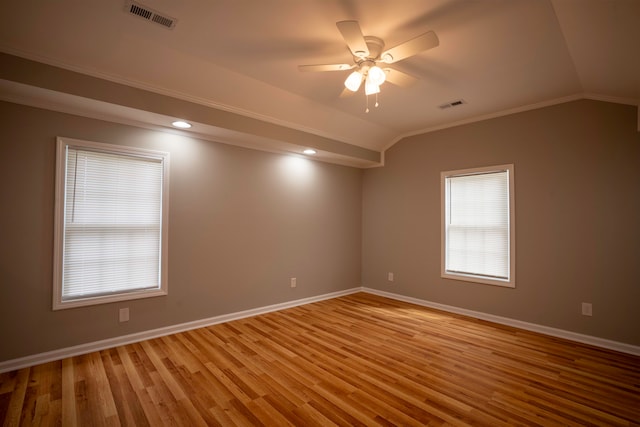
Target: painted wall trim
{"x": 28, "y": 82}
{"x": 36, "y": 359}
{"x": 54, "y": 62}
{"x": 510, "y": 111}
{"x": 49, "y": 356}
{"x": 546, "y": 330}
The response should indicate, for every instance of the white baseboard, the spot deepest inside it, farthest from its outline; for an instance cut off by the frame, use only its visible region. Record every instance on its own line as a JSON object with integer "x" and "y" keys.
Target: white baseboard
{"x": 546, "y": 330}
{"x": 23, "y": 362}
{"x": 49, "y": 356}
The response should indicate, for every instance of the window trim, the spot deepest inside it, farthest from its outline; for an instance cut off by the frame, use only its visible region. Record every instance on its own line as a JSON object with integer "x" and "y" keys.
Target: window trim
{"x": 62, "y": 143}
{"x": 511, "y": 281}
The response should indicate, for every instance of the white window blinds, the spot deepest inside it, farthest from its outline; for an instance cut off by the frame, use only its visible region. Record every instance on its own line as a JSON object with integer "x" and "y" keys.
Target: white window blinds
{"x": 112, "y": 228}
{"x": 477, "y": 224}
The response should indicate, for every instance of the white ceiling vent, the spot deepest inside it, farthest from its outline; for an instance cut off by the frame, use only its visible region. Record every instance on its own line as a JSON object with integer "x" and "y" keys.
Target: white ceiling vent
{"x": 149, "y": 14}
{"x": 455, "y": 103}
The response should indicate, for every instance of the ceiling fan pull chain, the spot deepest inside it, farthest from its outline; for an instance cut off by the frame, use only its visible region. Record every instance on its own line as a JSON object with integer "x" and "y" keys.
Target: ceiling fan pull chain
{"x": 377, "y": 101}
{"x": 367, "y": 109}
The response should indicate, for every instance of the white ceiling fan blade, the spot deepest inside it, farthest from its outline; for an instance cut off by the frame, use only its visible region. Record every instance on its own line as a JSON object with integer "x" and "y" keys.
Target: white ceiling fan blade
{"x": 399, "y": 78}
{"x": 325, "y": 67}
{"x": 352, "y": 34}
{"x": 409, "y": 48}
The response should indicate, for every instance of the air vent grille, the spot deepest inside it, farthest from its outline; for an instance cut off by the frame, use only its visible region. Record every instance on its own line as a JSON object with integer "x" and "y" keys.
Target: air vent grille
{"x": 455, "y": 103}
{"x": 148, "y": 14}
{"x": 163, "y": 20}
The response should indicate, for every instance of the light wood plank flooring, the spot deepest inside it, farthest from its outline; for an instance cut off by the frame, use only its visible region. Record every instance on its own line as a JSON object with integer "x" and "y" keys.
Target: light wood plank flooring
{"x": 354, "y": 360}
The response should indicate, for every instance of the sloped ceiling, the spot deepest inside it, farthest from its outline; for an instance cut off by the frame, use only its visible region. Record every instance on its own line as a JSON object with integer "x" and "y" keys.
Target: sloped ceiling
{"x": 241, "y": 57}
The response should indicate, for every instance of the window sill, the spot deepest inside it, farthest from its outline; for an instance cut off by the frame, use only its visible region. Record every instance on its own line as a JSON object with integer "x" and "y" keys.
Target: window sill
{"x": 83, "y": 302}
{"x": 480, "y": 279}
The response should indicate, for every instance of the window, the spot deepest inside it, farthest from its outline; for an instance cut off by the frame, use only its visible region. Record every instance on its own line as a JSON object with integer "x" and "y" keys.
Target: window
{"x": 110, "y": 225}
{"x": 478, "y": 225}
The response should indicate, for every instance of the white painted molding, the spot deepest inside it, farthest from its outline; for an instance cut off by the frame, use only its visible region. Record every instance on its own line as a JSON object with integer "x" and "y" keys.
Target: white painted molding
{"x": 138, "y": 84}
{"x": 546, "y": 330}
{"x": 611, "y": 99}
{"x": 49, "y": 356}
{"x": 23, "y": 362}
{"x": 521, "y": 109}
{"x": 482, "y": 117}
{"x": 20, "y": 93}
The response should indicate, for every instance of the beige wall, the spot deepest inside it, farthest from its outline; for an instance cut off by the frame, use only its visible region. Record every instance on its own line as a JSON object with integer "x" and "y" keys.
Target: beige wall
{"x": 577, "y": 198}
{"x": 241, "y": 223}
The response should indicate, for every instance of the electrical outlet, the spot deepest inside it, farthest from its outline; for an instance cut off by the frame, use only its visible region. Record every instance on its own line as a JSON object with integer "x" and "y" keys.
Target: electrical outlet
{"x": 124, "y": 314}
{"x": 294, "y": 282}
{"x": 587, "y": 309}
{"x": 390, "y": 277}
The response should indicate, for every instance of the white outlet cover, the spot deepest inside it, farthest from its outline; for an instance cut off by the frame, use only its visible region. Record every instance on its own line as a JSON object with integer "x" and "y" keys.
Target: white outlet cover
{"x": 124, "y": 314}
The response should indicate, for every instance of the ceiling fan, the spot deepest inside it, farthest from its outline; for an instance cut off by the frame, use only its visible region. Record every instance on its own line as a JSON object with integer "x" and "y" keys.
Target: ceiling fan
{"x": 368, "y": 53}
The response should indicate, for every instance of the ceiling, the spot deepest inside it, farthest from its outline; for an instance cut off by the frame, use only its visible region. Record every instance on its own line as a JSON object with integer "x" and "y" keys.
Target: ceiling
{"x": 241, "y": 56}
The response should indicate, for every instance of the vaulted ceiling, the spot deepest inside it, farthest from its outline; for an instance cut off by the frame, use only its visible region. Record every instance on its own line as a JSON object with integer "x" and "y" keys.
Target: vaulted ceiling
{"x": 241, "y": 57}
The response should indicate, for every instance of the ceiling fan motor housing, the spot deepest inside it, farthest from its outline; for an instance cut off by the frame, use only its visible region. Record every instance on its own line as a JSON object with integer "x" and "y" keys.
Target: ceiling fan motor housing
{"x": 375, "y": 46}
{"x": 368, "y": 51}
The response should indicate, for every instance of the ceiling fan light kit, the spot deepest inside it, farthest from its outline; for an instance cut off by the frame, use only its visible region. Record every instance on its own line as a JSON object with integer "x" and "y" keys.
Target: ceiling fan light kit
{"x": 370, "y": 88}
{"x": 376, "y": 75}
{"x": 354, "y": 81}
{"x": 367, "y": 51}
{"x": 373, "y": 75}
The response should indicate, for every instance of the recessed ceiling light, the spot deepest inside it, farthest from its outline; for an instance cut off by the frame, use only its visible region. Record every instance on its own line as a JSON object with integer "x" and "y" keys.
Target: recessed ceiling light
{"x": 309, "y": 151}
{"x": 181, "y": 124}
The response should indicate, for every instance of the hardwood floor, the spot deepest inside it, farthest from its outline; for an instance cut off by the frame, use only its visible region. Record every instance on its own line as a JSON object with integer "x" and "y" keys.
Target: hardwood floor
{"x": 354, "y": 360}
